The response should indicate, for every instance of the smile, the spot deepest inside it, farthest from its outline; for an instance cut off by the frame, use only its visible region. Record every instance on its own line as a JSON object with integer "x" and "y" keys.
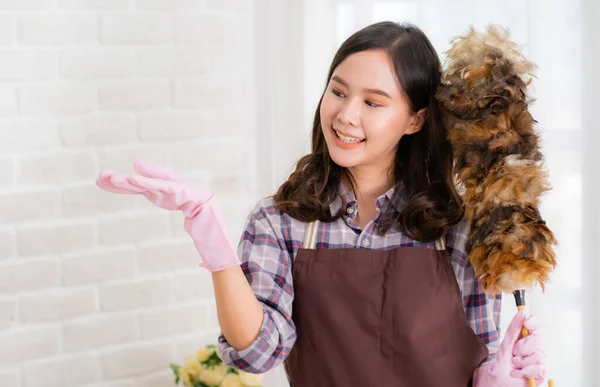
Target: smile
{"x": 348, "y": 139}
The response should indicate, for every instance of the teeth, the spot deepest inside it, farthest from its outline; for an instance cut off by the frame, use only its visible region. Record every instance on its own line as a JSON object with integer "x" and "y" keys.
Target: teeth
{"x": 348, "y": 140}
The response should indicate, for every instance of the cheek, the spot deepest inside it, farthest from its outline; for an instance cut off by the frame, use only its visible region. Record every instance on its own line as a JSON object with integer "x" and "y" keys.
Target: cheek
{"x": 327, "y": 110}
{"x": 386, "y": 125}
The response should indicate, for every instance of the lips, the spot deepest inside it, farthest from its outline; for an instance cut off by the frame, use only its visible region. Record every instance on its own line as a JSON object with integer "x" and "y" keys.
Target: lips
{"x": 348, "y": 138}
{"x": 347, "y": 142}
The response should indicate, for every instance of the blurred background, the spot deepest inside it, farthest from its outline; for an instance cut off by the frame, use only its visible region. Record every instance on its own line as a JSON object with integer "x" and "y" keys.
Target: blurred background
{"x": 104, "y": 290}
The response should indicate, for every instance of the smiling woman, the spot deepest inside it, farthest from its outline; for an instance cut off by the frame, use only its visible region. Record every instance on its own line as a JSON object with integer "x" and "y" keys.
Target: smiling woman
{"x": 378, "y": 121}
{"x": 364, "y": 244}
{"x": 552, "y": 33}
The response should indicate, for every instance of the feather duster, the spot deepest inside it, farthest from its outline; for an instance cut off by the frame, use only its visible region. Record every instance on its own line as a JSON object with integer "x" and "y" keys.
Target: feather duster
{"x": 498, "y": 161}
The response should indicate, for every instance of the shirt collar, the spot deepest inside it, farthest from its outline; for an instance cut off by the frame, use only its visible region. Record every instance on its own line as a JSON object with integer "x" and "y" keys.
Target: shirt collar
{"x": 398, "y": 201}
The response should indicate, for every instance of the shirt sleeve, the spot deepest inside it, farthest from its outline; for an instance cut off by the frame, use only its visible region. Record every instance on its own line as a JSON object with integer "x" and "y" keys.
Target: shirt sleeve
{"x": 267, "y": 265}
{"x": 481, "y": 309}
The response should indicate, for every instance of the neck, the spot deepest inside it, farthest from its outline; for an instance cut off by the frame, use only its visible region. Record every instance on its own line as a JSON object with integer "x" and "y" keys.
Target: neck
{"x": 369, "y": 184}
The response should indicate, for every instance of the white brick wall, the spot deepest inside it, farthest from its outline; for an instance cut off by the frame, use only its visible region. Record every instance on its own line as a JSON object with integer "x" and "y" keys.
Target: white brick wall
{"x": 43, "y": 29}
{"x": 100, "y": 290}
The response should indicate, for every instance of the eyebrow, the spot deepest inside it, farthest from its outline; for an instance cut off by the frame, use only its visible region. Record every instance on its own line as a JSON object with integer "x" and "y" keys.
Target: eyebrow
{"x": 368, "y": 90}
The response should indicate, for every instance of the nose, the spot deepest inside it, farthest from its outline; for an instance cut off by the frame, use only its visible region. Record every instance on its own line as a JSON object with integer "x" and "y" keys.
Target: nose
{"x": 349, "y": 113}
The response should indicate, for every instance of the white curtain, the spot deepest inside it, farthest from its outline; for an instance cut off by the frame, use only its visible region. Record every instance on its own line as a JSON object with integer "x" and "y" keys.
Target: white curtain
{"x": 561, "y": 37}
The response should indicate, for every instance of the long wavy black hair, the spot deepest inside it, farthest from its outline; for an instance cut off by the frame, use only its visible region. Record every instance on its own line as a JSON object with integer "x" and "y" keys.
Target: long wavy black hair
{"x": 424, "y": 160}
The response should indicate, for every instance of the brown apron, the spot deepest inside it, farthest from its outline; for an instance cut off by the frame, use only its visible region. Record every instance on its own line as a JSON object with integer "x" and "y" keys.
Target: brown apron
{"x": 374, "y": 318}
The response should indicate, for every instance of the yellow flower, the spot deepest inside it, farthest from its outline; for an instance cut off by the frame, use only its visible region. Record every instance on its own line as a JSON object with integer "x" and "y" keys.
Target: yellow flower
{"x": 185, "y": 377}
{"x": 203, "y": 354}
{"x": 213, "y": 376}
{"x": 250, "y": 380}
{"x": 193, "y": 367}
{"x": 231, "y": 380}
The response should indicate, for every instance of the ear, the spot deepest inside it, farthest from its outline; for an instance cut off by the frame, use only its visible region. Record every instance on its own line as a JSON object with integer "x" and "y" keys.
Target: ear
{"x": 416, "y": 121}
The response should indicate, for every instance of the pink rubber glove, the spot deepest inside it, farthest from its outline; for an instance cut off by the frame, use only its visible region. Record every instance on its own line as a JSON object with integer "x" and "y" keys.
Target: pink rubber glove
{"x": 516, "y": 359}
{"x": 167, "y": 190}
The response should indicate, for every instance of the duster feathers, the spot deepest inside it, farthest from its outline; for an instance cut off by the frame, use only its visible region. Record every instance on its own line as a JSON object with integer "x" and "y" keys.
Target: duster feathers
{"x": 497, "y": 159}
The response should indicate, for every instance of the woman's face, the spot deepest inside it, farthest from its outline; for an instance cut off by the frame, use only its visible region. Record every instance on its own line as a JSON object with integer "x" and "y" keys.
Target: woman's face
{"x": 364, "y": 113}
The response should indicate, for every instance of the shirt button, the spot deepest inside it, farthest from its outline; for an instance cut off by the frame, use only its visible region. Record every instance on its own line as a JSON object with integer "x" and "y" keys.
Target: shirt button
{"x": 366, "y": 242}
{"x": 349, "y": 210}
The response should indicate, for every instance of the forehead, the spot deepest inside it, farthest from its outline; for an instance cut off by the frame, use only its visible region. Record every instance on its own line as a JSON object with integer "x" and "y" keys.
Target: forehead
{"x": 369, "y": 70}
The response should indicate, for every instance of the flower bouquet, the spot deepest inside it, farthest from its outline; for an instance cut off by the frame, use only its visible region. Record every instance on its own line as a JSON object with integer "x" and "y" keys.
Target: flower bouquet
{"x": 207, "y": 369}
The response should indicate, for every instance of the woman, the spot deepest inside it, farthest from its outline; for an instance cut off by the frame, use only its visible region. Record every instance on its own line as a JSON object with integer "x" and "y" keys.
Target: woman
{"x": 355, "y": 273}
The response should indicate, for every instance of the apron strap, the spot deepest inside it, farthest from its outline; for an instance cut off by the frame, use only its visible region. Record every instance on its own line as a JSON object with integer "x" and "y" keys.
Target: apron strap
{"x": 312, "y": 228}
{"x": 440, "y": 244}
{"x": 310, "y": 235}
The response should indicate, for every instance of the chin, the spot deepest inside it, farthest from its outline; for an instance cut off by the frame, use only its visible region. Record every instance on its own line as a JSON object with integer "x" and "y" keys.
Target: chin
{"x": 344, "y": 159}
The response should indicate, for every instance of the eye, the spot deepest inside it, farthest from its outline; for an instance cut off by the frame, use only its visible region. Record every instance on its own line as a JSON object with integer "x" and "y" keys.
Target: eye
{"x": 372, "y": 104}
{"x": 338, "y": 93}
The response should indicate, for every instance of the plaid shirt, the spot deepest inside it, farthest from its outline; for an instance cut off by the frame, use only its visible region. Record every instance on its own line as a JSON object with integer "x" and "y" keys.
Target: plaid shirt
{"x": 270, "y": 243}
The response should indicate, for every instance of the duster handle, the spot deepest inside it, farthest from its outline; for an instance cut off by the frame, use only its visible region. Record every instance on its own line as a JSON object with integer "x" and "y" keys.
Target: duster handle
{"x": 520, "y": 301}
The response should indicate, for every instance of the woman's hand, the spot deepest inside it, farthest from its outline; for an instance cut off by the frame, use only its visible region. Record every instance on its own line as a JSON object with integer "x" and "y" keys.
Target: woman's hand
{"x": 167, "y": 190}
{"x": 517, "y": 359}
